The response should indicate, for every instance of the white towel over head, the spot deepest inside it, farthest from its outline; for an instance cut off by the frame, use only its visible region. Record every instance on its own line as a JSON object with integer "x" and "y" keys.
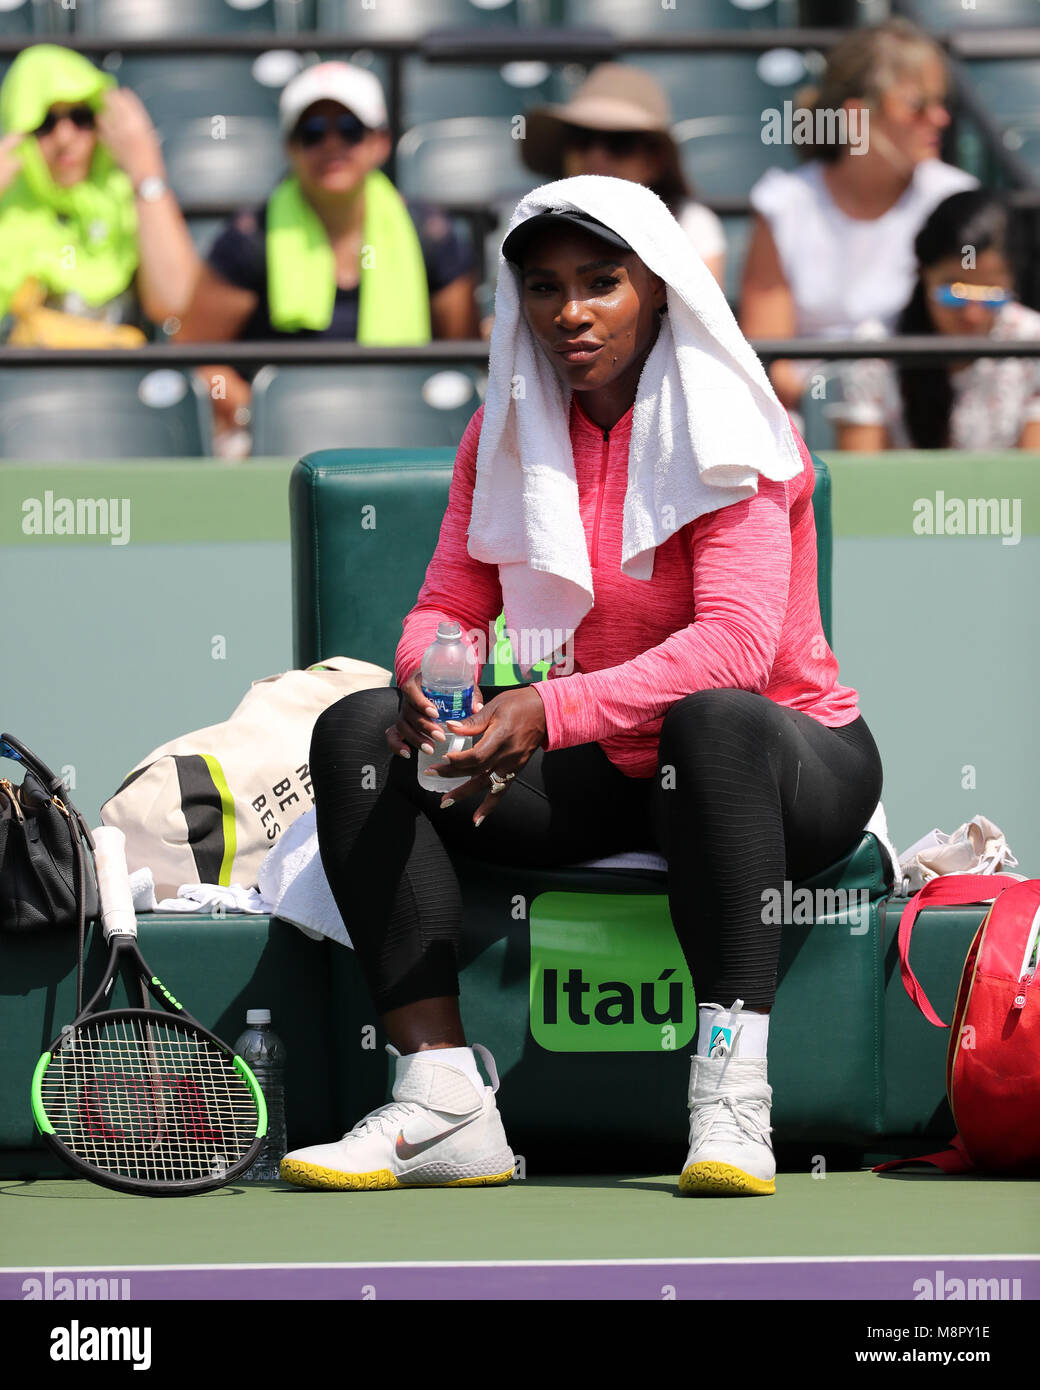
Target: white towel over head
{"x": 706, "y": 424}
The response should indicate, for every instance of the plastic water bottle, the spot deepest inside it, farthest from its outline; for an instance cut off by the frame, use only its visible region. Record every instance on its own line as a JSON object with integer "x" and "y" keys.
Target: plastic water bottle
{"x": 264, "y": 1052}
{"x": 447, "y": 681}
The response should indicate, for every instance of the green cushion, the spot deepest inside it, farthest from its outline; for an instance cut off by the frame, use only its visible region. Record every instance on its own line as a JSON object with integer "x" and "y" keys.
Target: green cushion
{"x": 364, "y": 525}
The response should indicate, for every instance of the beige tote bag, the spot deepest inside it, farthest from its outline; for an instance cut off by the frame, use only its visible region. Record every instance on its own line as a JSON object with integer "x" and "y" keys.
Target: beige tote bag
{"x": 206, "y": 807}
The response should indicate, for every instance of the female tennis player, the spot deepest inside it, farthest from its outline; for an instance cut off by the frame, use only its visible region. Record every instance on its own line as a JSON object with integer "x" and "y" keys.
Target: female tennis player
{"x": 632, "y": 482}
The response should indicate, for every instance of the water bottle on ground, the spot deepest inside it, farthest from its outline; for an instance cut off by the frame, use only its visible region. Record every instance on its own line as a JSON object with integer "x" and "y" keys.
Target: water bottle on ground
{"x": 264, "y": 1053}
{"x": 448, "y": 671}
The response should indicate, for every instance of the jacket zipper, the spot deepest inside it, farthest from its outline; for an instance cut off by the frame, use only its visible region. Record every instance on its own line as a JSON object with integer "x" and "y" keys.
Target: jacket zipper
{"x": 605, "y": 452}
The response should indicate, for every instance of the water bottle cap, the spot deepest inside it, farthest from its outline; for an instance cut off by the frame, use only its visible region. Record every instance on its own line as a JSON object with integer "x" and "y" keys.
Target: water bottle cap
{"x": 258, "y": 1016}
{"x": 449, "y": 630}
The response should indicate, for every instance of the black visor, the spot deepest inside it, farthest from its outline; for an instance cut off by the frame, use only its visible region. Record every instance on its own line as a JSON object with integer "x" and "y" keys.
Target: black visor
{"x": 518, "y": 239}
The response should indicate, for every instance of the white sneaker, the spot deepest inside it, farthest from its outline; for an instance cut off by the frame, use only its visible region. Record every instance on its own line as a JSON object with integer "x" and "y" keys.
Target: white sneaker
{"x": 730, "y": 1150}
{"x": 438, "y": 1131}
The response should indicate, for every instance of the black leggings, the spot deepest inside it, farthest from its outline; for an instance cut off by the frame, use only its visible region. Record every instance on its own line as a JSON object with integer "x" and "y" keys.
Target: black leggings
{"x": 748, "y": 794}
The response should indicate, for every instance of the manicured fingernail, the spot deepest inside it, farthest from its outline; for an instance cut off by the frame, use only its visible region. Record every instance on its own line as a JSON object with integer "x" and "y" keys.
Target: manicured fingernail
{"x": 478, "y": 820}
{"x": 427, "y": 748}
{"x": 405, "y": 753}
{"x": 439, "y": 735}
{"x": 448, "y": 801}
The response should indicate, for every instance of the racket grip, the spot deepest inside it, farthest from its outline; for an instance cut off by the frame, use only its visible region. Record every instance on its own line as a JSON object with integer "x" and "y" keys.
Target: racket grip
{"x": 117, "y": 904}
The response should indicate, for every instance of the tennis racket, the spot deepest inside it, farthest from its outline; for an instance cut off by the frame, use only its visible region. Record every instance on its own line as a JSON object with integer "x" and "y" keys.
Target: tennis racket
{"x": 144, "y": 1100}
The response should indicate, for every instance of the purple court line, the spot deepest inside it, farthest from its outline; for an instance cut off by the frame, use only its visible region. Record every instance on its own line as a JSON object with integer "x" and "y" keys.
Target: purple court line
{"x": 936, "y": 1278}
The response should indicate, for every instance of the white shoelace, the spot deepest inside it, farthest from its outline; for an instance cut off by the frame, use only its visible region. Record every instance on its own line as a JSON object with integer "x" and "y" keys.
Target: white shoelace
{"x": 397, "y": 1111}
{"x": 738, "y": 1118}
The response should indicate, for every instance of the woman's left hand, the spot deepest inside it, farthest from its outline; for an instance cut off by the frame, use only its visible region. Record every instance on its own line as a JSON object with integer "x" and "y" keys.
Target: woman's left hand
{"x": 507, "y": 731}
{"x": 123, "y": 124}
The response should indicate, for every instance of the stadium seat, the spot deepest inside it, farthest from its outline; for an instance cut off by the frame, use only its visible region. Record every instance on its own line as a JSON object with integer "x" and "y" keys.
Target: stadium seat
{"x": 159, "y": 19}
{"x": 217, "y": 121}
{"x": 723, "y": 156}
{"x": 19, "y": 17}
{"x": 1026, "y": 142}
{"x": 300, "y": 409}
{"x": 396, "y": 19}
{"x": 684, "y": 16}
{"x": 727, "y": 84}
{"x": 471, "y": 159}
{"x": 67, "y": 413}
{"x": 937, "y": 15}
{"x": 204, "y": 86}
{"x": 1010, "y": 91}
{"x": 1009, "y": 88}
{"x": 243, "y": 167}
{"x": 436, "y": 91}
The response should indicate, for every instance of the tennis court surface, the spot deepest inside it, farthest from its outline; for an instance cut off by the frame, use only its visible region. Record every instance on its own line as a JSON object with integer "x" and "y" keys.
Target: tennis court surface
{"x": 846, "y": 1235}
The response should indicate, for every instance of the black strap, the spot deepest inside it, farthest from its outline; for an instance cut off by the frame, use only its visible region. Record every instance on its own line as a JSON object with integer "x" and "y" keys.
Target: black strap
{"x": 10, "y": 747}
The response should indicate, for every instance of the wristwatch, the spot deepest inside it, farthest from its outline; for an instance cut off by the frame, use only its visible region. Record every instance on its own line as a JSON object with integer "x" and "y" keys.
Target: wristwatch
{"x": 152, "y": 188}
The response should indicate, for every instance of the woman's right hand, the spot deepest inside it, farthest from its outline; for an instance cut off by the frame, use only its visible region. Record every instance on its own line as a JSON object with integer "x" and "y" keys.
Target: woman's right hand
{"x": 10, "y": 164}
{"x": 417, "y": 723}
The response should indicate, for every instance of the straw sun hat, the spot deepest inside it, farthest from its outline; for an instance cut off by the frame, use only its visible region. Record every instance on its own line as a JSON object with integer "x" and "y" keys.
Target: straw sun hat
{"x": 613, "y": 97}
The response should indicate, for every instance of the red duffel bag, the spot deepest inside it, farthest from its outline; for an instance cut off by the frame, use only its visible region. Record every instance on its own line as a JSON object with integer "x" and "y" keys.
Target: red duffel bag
{"x": 993, "y": 1058}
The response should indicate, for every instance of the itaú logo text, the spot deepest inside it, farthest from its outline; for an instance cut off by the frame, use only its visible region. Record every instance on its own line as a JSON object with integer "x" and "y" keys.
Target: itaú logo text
{"x": 612, "y": 1002}
{"x": 608, "y": 975}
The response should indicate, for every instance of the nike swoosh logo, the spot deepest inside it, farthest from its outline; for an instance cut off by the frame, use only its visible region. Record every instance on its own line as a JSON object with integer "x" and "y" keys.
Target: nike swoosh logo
{"x": 405, "y": 1150}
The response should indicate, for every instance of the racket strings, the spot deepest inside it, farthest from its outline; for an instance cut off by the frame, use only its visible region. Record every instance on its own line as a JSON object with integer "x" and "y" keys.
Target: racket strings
{"x": 148, "y": 1099}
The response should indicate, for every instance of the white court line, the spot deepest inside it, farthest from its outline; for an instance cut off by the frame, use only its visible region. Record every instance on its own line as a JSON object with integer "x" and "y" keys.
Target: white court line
{"x": 519, "y": 1264}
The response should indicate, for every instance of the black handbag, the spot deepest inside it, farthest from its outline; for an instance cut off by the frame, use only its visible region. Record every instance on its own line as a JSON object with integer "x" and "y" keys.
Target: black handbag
{"x": 46, "y": 881}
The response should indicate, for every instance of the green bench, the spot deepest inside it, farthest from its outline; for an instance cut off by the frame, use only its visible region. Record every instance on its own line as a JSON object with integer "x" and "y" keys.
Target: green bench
{"x": 591, "y": 1078}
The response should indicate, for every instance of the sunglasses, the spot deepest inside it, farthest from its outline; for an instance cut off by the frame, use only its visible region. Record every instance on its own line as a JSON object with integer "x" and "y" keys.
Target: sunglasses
{"x": 82, "y": 117}
{"x": 313, "y": 130}
{"x": 921, "y": 103}
{"x": 958, "y": 294}
{"x": 618, "y": 143}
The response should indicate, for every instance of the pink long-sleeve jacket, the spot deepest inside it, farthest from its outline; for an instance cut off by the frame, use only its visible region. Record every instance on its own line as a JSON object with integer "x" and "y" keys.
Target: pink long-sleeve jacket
{"x": 732, "y": 603}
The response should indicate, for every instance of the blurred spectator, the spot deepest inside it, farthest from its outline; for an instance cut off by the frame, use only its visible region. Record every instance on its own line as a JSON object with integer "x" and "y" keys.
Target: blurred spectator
{"x": 335, "y": 252}
{"x": 978, "y": 403}
{"x": 88, "y": 227}
{"x": 832, "y": 245}
{"x": 619, "y": 123}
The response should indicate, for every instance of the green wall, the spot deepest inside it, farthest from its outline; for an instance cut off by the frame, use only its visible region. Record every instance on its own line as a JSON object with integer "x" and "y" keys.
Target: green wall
{"x": 108, "y": 650}
{"x": 940, "y": 634}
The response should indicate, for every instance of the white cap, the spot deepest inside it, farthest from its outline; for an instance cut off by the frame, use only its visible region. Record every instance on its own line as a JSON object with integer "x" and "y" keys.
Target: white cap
{"x": 355, "y": 88}
{"x": 258, "y": 1016}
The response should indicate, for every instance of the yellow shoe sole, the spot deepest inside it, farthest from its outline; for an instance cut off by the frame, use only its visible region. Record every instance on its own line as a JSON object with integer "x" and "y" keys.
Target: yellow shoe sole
{"x": 723, "y": 1180}
{"x": 382, "y": 1180}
